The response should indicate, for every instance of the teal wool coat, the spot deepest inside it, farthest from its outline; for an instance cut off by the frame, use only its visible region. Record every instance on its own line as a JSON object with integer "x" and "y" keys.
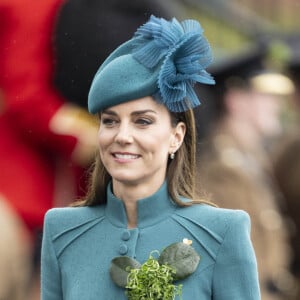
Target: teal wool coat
{"x": 79, "y": 244}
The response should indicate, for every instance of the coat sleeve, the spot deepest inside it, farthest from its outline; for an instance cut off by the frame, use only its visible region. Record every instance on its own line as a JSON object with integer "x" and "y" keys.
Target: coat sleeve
{"x": 50, "y": 271}
{"x": 235, "y": 274}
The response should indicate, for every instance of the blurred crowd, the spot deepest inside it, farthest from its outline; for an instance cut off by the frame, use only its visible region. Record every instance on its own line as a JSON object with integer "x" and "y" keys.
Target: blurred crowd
{"x": 236, "y": 162}
{"x": 248, "y": 124}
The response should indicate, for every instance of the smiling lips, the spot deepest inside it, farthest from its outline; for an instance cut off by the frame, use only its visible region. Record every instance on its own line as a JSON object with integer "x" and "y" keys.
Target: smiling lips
{"x": 125, "y": 156}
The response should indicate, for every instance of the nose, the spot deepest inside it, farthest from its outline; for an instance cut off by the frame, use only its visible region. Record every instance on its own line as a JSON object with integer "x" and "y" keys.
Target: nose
{"x": 124, "y": 134}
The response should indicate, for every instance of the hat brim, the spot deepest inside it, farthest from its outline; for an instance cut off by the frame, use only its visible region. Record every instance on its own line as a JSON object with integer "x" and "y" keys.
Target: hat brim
{"x": 116, "y": 80}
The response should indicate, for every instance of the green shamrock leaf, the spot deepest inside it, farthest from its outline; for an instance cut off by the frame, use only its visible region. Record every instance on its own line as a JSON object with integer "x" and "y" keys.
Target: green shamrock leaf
{"x": 120, "y": 268}
{"x": 182, "y": 258}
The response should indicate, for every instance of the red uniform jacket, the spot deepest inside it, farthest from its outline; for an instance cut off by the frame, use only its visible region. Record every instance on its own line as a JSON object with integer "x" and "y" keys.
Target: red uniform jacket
{"x": 28, "y": 147}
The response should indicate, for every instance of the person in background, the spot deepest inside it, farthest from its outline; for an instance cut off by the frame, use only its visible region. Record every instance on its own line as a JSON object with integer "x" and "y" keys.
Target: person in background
{"x": 234, "y": 165}
{"x": 15, "y": 255}
{"x": 43, "y": 149}
{"x": 15, "y": 251}
{"x": 286, "y": 162}
{"x": 38, "y": 128}
{"x": 142, "y": 194}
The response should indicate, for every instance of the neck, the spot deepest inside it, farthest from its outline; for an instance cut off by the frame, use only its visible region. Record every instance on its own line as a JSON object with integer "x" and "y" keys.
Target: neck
{"x": 130, "y": 194}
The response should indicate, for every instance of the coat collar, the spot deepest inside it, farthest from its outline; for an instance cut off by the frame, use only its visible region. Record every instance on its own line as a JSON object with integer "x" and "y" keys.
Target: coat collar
{"x": 151, "y": 210}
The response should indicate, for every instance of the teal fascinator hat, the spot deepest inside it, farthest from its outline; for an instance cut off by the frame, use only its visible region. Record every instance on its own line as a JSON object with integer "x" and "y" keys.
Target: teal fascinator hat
{"x": 164, "y": 59}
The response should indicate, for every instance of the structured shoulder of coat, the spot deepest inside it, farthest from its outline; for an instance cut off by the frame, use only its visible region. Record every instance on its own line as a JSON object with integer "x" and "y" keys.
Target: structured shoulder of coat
{"x": 66, "y": 218}
{"x": 216, "y": 219}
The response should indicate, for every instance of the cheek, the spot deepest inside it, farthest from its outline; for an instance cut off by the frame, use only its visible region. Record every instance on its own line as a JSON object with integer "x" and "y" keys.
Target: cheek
{"x": 158, "y": 144}
{"x": 104, "y": 139}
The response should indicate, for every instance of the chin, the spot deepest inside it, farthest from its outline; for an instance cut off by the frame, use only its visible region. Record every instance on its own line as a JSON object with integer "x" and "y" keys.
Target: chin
{"x": 124, "y": 178}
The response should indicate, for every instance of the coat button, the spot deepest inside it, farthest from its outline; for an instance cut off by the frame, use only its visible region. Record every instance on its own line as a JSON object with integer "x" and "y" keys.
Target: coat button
{"x": 123, "y": 249}
{"x": 126, "y": 235}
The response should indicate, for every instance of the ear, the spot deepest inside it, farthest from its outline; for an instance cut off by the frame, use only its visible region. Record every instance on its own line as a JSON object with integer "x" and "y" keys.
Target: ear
{"x": 178, "y": 136}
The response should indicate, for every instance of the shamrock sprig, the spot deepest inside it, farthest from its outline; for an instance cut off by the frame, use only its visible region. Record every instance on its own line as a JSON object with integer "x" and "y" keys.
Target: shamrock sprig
{"x": 154, "y": 279}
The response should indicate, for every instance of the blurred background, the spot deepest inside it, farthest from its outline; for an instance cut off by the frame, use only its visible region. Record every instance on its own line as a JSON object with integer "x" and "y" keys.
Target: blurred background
{"x": 248, "y": 126}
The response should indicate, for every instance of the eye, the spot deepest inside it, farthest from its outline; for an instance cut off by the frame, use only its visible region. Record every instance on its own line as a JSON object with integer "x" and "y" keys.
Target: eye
{"x": 143, "y": 121}
{"x": 109, "y": 122}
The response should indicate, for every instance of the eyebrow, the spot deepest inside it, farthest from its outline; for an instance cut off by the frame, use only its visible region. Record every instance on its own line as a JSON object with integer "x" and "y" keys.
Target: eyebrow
{"x": 138, "y": 112}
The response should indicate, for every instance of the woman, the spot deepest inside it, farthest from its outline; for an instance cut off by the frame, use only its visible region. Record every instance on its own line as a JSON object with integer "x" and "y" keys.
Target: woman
{"x": 142, "y": 196}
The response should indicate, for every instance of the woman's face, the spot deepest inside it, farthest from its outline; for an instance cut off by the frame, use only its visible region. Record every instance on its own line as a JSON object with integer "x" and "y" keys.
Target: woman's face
{"x": 135, "y": 140}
